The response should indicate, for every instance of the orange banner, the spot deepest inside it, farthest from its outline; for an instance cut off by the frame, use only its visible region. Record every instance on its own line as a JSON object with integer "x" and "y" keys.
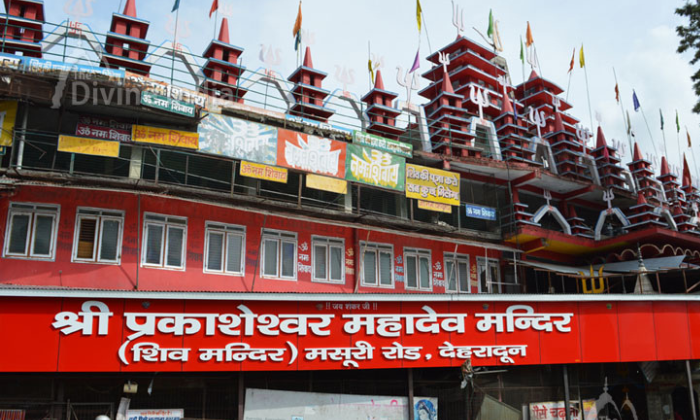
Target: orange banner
{"x": 165, "y": 137}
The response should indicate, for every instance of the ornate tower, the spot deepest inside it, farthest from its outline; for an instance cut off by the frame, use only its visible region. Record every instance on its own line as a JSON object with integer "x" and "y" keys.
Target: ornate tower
{"x": 221, "y": 71}
{"x": 22, "y": 27}
{"x": 126, "y": 45}
{"x": 307, "y": 91}
{"x": 641, "y": 170}
{"x": 382, "y": 114}
{"x": 607, "y": 162}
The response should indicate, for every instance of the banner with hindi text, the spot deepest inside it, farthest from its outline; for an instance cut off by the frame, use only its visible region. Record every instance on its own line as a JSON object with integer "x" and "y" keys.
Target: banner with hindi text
{"x": 430, "y": 184}
{"x": 374, "y": 167}
{"x": 239, "y": 139}
{"x": 165, "y": 137}
{"x": 309, "y": 153}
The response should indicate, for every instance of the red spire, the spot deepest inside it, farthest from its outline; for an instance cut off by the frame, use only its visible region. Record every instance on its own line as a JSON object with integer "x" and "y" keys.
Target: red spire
{"x": 572, "y": 212}
{"x": 606, "y": 154}
{"x": 664, "y": 166}
{"x": 558, "y": 123}
{"x": 600, "y": 139}
{"x": 130, "y": 8}
{"x": 223, "y": 32}
{"x": 637, "y": 154}
{"x": 641, "y": 199}
{"x": 507, "y": 107}
{"x": 533, "y": 75}
{"x": 378, "y": 82}
{"x": 307, "y": 59}
{"x": 687, "y": 180}
{"x": 446, "y": 83}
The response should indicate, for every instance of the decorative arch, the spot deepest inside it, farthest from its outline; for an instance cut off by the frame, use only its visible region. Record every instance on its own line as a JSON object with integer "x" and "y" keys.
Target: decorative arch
{"x": 549, "y": 209}
{"x": 610, "y": 212}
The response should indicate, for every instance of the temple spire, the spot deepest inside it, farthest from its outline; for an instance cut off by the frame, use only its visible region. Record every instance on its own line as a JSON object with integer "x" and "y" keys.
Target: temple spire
{"x": 223, "y": 32}
{"x": 307, "y": 58}
{"x": 130, "y": 8}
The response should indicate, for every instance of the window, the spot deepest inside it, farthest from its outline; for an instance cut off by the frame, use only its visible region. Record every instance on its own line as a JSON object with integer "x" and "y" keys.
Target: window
{"x": 224, "y": 250}
{"x": 457, "y": 273}
{"x": 279, "y": 254}
{"x": 164, "y": 240}
{"x": 377, "y": 264}
{"x": 489, "y": 275}
{"x": 31, "y": 231}
{"x": 98, "y": 236}
{"x": 417, "y": 268}
{"x": 328, "y": 260}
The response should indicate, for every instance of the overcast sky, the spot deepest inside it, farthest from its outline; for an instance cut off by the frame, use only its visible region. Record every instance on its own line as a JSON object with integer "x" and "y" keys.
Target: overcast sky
{"x": 636, "y": 37}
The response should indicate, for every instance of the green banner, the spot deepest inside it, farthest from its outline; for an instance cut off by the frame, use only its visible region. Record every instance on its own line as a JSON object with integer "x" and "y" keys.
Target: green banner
{"x": 374, "y": 167}
{"x": 164, "y": 103}
{"x": 387, "y": 145}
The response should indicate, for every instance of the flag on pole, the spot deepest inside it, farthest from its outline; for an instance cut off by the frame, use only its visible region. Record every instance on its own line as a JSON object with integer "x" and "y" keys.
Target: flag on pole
{"x": 522, "y": 51}
{"x": 661, "y": 117}
{"x": 176, "y": 6}
{"x": 581, "y": 58}
{"x": 690, "y": 143}
{"x": 214, "y": 7}
{"x": 528, "y": 36}
{"x": 416, "y": 62}
{"x": 571, "y": 65}
{"x": 489, "y": 31}
{"x": 297, "y": 29}
{"x": 371, "y": 70}
{"x": 617, "y": 93}
{"x": 635, "y": 101}
{"x": 419, "y": 12}
{"x": 629, "y": 125}
{"x": 678, "y": 123}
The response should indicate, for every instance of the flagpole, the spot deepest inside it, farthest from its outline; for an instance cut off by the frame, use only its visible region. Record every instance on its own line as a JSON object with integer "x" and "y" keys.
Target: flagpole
{"x": 588, "y": 95}
{"x": 568, "y": 87}
{"x": 648, "y": 129}
{"x": 172, "y": 68}
{"x": 216, "y": 19}
{"x": 663, "y": 133}
{"x": 624, "y": 121}
{"x": 680, "y": 153}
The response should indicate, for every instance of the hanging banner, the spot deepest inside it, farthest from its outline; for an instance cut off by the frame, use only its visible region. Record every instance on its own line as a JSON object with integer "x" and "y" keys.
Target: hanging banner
{"x": 556, "y": 410}
{"x": 8, "y": 116}
{"x": 165, "y": 137}
{"x": 324, "y": 183}
{"x": 387, "y": 145}
{"x": 265, "y": 172}
{"x": 238, "y": 139}
{"x": 480, "y": 212}
{"x": 311, "y": 153}
{"x": 431, "y": 184}
{"x": 143, "y": 83}
{"x": 55, "y": 68}
{"x": 102, "y": 128}
{"x": 374, "y": 167}
{"x": 163, "y": 103}
{"x": 432, "y": 206}
{"x": 85, "y": 146}
{"x": 156, "y": 414}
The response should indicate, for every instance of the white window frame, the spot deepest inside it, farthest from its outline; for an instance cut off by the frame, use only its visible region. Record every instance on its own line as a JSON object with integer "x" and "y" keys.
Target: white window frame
{"x": 456, "y": 260}
{"x": 480, "y": 262}
{"x": 281, "y": 237}
{"x": 418, "y": 253}
{"x": 226, "y": 230}
{"x": 101, "y": 215}
{"x": 328, "y": 243}
{"x": 377, "y": 248}
{"x": 167, "y": 222}
{"x": 33, "y": 210}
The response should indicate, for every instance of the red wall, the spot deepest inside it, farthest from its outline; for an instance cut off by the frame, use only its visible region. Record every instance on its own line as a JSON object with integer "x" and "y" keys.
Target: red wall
{"x": 62, "y": 272}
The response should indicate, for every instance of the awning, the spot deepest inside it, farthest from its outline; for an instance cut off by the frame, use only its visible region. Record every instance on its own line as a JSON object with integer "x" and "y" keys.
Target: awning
{"x": 612, "y": 269}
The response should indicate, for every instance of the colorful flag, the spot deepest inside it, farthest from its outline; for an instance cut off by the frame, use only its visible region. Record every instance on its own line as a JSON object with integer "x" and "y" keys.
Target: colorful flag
{"x": 214, "y": 7}
{"x": 581, "y": 58}
{"x": 489, "y": 31}
{"x": 296, "y": 31}
{"x": 419, "y": 13}
{"x": 617, "y": 93}
{"x": 371, "y": 70}
{"x": 522, "y": 51}
{"x": 635, "y": 101}
{"x": 690, "y": 143}
{"x": 678, "y": 123}
{"x": 416, "y": 62}
{"x": 528, "y": 36}
{"x": 176, "y": 6}
{"x": 571, "y": 65}
{"x": 661, "y": 117}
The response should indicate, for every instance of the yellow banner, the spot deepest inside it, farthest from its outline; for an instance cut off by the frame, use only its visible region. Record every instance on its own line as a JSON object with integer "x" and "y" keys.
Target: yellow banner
{"x": 165, "y": 137}
{"x": 324, "y": 183}
{"x": 86, "y": 146}
{"x": 8, "y": 115}
{"x": 260, "y": 171}
{"x": 429, "y": 205}
{"x": 431, "y": 184}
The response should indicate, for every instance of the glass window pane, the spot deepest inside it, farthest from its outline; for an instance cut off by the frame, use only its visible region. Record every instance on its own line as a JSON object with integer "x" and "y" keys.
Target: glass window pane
{"x": 385, "y": 268}
{"x": 464, "y": 277}
{"x": 42, "y": 235}
{"x": 18, "y": 234}
{"x": 320, "y": 262}
{"x": 337, "y": 263}
{"x": 234, "y": 246}
{"x": 450, "y": 275}
{"x": 424, "y": 273}
{"x": 86, "y": 238}
{"x": 370, "y": 267}
{"x": 288, "y": 263}
{"x": 411, "y": 272}
{"x": 110, "y": 240}
{"x": 270, "y": 255}
{"x": 215, "y": 251}
{"x": 154, "y": 244}
{"x": 176, "y": 239}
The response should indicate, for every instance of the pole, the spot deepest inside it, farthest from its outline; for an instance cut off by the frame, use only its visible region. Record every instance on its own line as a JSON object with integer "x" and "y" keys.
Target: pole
{"x": 651, "y": 138}
{"x": 216, "y": 19}
{"x": 566, "y": 393}
{"x": 624, "y": 121}
{"x": 172, "y": 67}
{"x": 691, "y": 392}
{"x": 663, "y": 133}
{"x": 588, "y": 95}
{"x": 410, "y": 394}
{"x": 20, "y": 148}
{"x": 568, "y": 88}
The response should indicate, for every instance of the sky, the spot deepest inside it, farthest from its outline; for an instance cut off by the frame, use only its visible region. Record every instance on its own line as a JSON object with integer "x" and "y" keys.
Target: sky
{"x": 635, "y": 37}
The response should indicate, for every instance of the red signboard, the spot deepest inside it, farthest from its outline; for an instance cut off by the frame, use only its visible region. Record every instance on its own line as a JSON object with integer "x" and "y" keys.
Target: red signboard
{"x": 104, "y": 129}
{"x": 109, "y": 335}
{"x": 313, "y": 154}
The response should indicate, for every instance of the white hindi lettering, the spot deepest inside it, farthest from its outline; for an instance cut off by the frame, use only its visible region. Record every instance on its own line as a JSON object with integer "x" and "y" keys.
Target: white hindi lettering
{"x": 523, "y": 317}
{"x": 70, "y": 322}
{"x": 348, "y": 355}
{"x": 449, "y": 351}
{"x": 390, "y": 325}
